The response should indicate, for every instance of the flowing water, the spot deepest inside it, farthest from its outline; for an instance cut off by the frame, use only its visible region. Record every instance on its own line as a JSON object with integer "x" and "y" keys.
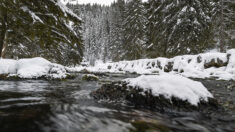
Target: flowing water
{"x": 66, "y": 106}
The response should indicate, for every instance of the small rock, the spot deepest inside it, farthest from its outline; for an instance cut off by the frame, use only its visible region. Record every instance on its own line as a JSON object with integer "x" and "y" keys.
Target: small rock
{"x": 90, "y": 77}
{"x": 215, "y": 63}
{"x": 168, "y": 67}
{"x": 199, "y": 59}
{"x": 84, "y": 71}
{"x": 109, "y": 67}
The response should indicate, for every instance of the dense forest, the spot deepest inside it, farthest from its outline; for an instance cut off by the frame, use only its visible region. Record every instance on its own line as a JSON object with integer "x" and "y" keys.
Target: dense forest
{"x": 135, "y": 29}
{"x": 125, "y": 30}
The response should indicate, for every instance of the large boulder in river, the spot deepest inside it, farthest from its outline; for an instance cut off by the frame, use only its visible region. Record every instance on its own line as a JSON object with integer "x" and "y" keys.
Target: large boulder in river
{"x": 159, "y": 92}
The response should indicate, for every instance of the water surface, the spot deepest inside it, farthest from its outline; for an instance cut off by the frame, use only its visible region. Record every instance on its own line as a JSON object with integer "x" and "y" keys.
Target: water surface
{"x": 66, "y": 106}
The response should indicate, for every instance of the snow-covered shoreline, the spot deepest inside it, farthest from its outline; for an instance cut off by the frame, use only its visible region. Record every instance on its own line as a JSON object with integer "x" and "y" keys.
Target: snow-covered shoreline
{"x": 206, "y": 65}
{"x": 32, "y": 68}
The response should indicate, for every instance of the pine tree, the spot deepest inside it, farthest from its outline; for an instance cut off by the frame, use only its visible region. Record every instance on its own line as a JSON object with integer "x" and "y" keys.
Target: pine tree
{"x": 224, "y": 23}
{"x": 134, "y": 30}
{"x": 181, "y": 27}
{"x": 155, "y": 28}
{"x": 116, "y": 29}
{"x": 39, "y": 28}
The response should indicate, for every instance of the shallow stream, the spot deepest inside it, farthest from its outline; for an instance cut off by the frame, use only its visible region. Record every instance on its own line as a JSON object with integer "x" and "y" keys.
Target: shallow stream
{"x": 66, "y": 106}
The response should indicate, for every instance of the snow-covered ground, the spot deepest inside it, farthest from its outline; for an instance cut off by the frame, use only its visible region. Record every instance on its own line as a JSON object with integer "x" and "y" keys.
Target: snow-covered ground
{"x": 172, "y": 86}
{"x": 32, "y": 68}
{"x": 205, "y": 65}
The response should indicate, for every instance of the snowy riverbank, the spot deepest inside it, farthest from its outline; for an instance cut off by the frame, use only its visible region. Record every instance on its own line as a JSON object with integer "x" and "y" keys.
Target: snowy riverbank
{"x": 206, "y": 65}
{"x": 32, "y": 68}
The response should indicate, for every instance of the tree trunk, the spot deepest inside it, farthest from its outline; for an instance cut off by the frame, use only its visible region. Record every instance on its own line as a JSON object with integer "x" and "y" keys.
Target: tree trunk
{"x": 222, "y": 43}
{"x": 4, "y": 49}
{"x": 3, "y": 34}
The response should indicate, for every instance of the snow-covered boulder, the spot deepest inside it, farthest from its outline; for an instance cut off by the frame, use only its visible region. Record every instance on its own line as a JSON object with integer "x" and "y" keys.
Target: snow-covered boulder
{"x": 32, "y": 68}
{"x": 172, "y": 86}
{"x": 159, "y": 91}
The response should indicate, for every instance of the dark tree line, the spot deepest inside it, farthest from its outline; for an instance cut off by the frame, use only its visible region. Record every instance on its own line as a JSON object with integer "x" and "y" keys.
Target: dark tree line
{"x": 133, "y": 29}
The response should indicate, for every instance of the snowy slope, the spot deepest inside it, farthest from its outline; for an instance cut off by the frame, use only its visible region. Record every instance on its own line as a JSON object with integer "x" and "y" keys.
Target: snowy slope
{"x": 206, "y": 65}
{"x": 179, "y": 87}
{"x": 32, "y": 68}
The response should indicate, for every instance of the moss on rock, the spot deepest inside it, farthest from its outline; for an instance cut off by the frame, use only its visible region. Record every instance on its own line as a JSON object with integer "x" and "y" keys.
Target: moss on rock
{"x": 149, "y": 125}
{"x": 90, "y": 77}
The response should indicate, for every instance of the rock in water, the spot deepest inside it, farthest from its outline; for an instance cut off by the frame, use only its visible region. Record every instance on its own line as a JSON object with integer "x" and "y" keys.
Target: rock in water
{"x": 90, "y": 77}
{"x": 165, "y": 91}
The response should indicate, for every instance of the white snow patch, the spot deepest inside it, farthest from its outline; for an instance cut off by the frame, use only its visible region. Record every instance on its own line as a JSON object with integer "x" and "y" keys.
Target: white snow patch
{"x": 32, "y": 68}
{"x": 66, "y": 10}
{"x": 172, "y": 86}
{"x": 33, "y": 15}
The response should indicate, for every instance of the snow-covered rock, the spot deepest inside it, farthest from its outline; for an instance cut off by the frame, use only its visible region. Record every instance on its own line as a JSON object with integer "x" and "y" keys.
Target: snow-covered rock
{"x": 172, "y": 86}
{"x": 32, "y": 68}
{"x": 90, "y": 77}
{"x": 205, "y": 65}
{"x": 164, "y": 91}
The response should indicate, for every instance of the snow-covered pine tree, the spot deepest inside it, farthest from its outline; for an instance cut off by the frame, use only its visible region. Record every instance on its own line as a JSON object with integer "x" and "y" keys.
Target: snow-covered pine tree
{"x": 39, "y": 28}
{"x": 180, "y": 27}
{"x": 117, "y": 17}
{"x": 134, "y": 30}
{"x": 96, "y": 30}
{"x": 224, "y": 23}
{"x": 155, "y": 28}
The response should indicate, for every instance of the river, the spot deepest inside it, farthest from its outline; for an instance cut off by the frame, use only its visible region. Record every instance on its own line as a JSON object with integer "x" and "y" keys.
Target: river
{"x": 66, "y": 106}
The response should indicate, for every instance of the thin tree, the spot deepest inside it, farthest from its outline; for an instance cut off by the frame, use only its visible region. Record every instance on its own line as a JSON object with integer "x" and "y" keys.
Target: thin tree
{"x": 221, "y": 34}
{"x": 3, "y": 35}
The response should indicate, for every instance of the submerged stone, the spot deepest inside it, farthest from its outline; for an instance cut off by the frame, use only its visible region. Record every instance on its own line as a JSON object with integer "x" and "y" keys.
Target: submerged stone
{"x": 90, "y": 77}
{"x": 149, "y": 125}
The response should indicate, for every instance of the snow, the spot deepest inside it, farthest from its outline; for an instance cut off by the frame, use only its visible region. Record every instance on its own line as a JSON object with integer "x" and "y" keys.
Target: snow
{"x": 194, "y": 66}
{"x": 32, "y": 68}
{"x": 172, "y": 86}
{"x": 231, "y": 64}
{"x": 66, "y": 10}
{"x": 33, "y": 15}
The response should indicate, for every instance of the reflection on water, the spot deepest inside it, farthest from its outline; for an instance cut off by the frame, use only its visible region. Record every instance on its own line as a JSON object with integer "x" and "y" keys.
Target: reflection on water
{"x": 53, "y": 106}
